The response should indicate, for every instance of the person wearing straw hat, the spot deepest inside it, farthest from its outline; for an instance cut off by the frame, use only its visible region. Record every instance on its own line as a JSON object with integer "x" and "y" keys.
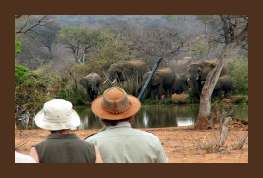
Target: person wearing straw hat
{"x": 119, "y": 142}
{"x": 62, "y": 145}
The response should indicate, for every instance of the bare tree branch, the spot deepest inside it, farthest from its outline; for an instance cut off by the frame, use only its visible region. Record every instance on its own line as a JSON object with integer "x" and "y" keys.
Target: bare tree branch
{"x": 29, "y": 26}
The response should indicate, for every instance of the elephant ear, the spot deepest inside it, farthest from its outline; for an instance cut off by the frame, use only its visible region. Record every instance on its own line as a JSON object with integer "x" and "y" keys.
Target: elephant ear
{"x": 99, "y": 80}
{"x": 199, "y": 69}
{"x": 82, "y": 81}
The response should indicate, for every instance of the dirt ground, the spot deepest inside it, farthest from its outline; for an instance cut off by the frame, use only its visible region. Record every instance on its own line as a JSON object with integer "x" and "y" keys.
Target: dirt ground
{"x": 182, "y": 145}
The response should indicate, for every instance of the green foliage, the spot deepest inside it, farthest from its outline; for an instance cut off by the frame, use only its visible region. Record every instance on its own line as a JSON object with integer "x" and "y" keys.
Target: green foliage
{"x": 238, "y": 69}
{"x": 18, "y": 46}
{"x": 239, "y": 99}
{"x": 76, "y": 36}
{"x": 170, "y": 18}
{"x": 112, "y": 50}
{"x": 21, "y": 73}
{"x": 199, "y": 50}
{"x": 71, "y": 95}
{"x": 74, "y": 95}
{"x": 31, "y": 91}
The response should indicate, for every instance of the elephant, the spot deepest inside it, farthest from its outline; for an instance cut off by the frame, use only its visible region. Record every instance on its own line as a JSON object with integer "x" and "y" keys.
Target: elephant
{"x": 197, "y": 77}
{"x": 162, "y": 83}
{"x": 125, "y": 70}
{"x": 91, "y": 83}
{"x": 181, "y": 84}
{"x": 224, "y": 87}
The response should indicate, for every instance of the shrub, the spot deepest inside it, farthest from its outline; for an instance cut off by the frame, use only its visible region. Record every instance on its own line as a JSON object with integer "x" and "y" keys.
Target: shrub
{"x": 199, "y": 50}
{"x": 238, "y": 69}
{"x": 180, "y": 98}
{"x": 32, "y": 90}
{"x": 18, "y": 46}
{"x": 21, "y": 73}
{"x": 31, "y": 93}
{"x": 73, "y": 95}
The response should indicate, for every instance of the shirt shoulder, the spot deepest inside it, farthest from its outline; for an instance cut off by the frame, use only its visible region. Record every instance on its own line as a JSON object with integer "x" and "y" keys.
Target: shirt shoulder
{"x": 91, "y": 138}
{"x": 21, "y": 158}
{"x": 148, "y": 135}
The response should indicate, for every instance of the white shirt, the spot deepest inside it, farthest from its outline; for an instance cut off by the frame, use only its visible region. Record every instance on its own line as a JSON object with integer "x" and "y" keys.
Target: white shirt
{"x": 21, "y": 158}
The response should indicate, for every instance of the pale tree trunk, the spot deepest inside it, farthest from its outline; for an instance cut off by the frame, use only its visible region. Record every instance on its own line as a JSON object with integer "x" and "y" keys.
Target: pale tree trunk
{"x": 231, "y": 40}
{"x": 208, "y": 88}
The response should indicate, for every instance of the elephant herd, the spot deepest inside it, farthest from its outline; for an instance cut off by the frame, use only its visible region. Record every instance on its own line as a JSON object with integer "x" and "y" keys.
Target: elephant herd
{"x": 165, "y": 82}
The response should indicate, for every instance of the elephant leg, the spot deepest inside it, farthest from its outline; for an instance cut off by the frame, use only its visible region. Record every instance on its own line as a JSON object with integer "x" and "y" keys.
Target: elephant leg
{"x": 91, "y": 95}
{"x": 227, "y": 93}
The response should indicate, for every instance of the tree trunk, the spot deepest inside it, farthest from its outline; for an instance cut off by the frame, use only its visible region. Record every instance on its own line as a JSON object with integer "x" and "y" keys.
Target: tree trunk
{"x": 224, "y": 131}
{"x": 205, "y": 97}
{"x": 231, "y": 40}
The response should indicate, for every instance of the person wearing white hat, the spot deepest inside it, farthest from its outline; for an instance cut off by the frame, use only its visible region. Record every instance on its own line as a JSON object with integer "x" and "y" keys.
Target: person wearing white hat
{"x": 62, "y": 145}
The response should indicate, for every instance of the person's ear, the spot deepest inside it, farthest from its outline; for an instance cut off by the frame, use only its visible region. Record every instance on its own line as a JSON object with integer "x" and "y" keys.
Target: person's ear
{"x": 132, "y": 118}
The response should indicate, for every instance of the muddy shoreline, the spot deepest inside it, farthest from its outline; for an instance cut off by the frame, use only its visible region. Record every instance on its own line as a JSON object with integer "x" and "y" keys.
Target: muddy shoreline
{"x": 181, "y": 144}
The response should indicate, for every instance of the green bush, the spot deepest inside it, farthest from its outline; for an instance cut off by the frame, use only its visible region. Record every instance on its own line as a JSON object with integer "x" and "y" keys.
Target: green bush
{"x": 199, "y": 50}
{"x": 21, "y": 73}
{"x": 238, "y": 69}
{"x": 73, "y": 95}
{"x": 32, "y": 92}
{"x": 18, "y": 46}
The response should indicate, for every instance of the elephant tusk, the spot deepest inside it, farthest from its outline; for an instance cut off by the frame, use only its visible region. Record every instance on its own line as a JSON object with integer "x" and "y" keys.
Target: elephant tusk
{"x": 104, "y": 81}
{"x": 114, "y": 81}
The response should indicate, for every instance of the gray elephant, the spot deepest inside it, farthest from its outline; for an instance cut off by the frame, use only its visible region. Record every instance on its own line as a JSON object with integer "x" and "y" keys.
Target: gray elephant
{"x": 91, "y": 83}
{"x": 224, "y": 87}
{"x": 162, "y": 83}
{"x": 181, "y": 84}
{"x": 197, "y": 77}
{"x": 125, "y": 70}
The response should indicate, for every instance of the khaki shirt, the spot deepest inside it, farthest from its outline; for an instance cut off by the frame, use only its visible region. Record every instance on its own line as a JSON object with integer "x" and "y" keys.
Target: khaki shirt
{"x": 123, "y": 144}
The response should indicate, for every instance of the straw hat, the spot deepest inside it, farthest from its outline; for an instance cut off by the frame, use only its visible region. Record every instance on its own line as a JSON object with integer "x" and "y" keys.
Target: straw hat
{"x": 57, "y": 114}
{"x": 115, "y": 104}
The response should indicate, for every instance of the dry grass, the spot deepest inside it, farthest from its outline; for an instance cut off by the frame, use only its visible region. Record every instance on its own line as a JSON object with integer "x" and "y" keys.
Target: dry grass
{"x": 210, "y": 143}
{"x": 179, "y": 97}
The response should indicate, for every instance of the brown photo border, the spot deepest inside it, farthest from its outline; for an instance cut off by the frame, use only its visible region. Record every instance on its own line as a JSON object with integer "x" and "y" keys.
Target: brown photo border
{"x": 238, "y": 7}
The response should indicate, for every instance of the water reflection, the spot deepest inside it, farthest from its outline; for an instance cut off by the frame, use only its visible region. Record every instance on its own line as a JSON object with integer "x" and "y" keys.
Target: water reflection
{"x": 84, "y": 123}
{"x": 149, "y": 117}
{"x": 184, "y": 121}
{"x": 145, "y": 119}
{"x": 153, "y": 116}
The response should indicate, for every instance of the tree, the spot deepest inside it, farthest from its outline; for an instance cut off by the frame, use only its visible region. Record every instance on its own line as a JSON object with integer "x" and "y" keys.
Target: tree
{"x": 148, "y": 40}
{"x": 205, "y": 19}
{"x": 26, "y": 32}
{"x": 235, "y": 33}
{"x": 26, "y": 23}
{"x": 45, "y": 35}
{"x": 81, "y": 41}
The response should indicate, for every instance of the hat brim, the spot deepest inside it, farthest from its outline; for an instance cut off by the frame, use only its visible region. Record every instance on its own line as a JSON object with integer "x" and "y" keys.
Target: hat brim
{"x": 99, "y": 111}
{"x": 71, "y": 124}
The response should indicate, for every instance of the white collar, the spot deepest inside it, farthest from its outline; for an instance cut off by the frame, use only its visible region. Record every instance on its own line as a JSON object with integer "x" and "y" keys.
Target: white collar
{"x": 120, "y": 124}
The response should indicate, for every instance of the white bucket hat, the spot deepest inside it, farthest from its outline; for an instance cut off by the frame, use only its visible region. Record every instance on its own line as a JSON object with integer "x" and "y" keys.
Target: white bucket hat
{"x": 57, "y": 114}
